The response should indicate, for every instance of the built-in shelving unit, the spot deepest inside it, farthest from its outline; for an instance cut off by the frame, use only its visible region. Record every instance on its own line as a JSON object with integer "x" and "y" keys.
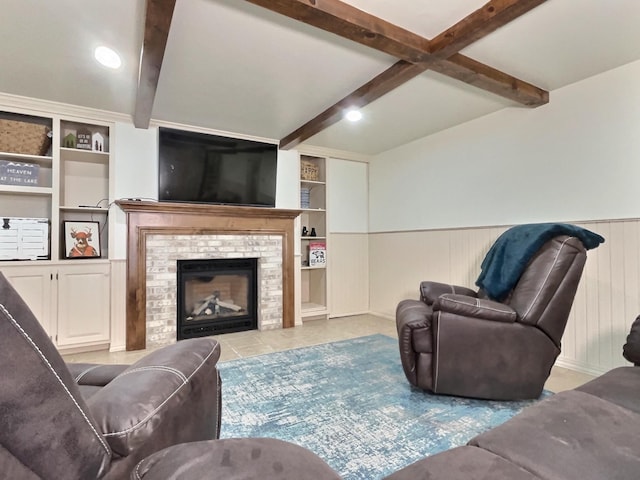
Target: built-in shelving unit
{"x": 313, "y": 203}
{"x": 84, "y": 176}
{"x": 71, "y": 184}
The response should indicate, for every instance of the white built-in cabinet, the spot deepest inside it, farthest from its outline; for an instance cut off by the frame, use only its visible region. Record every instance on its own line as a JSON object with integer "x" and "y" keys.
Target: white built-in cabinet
{"x": 70, "y": 301}
{"x": 313, "y": 219}
{"x": 70, "y": 297}
{"x": 85, "y": 322}
{"x": 34, "y": 284}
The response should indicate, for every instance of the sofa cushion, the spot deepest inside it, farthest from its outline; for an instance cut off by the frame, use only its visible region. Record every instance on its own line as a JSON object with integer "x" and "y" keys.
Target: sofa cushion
{"x": 235, "y": 459}
{"x": 48, "y": 427}
{"x": 572, "y": 435}
{"x": 462, "y": 463}
{"x": 620, "y": 386}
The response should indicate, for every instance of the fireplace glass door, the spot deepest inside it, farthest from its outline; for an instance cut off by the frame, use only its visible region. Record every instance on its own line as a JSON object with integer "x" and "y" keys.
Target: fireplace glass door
{"x": 216, "y": 296}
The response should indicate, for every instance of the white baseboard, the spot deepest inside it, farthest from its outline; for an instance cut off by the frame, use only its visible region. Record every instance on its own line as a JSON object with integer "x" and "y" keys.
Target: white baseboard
{"x": 579, "y": 367}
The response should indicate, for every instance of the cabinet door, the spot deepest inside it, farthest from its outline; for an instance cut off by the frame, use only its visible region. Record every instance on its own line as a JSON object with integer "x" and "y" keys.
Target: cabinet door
{"x": 83, "y": 304}
{"x": 35, "y": 286}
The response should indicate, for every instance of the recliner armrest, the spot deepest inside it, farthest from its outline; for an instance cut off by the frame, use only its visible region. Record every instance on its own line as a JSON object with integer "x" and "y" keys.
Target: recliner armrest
{"x": 431, "y": 291}
{"x": 631, "y": 349}
{"x": 156, "y": 389}
{"x": 476, "y": 308}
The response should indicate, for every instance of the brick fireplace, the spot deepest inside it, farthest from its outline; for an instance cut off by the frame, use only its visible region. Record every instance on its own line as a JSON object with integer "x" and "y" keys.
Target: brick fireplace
{"x": 160, "y": 233}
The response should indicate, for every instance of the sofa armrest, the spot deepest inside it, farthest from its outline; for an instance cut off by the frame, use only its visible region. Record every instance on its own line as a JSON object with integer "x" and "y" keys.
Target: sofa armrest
{"x": 431, "y": 291}
{"x": 95, "y": 374}
{"x": 631, "y": 349}
{"x": 160, "y": 389}
{"x": 475, "y": 308}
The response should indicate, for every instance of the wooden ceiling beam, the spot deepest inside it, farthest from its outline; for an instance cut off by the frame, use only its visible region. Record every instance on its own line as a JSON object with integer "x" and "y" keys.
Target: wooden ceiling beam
{"x": 491, "y": 80}
{"x": 339, "y": 18}
{"x": 336, "y": 17}
{"x": 479, "y": 24}
{"x": 156, "y": 31}
{"x": 346, "y": 21}
{"x": 393, "y": 77}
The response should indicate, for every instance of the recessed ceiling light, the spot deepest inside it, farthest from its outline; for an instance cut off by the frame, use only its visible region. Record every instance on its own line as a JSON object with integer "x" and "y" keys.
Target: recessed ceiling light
{"x": 353, "y": 115}
{"x": 107, "y": 57}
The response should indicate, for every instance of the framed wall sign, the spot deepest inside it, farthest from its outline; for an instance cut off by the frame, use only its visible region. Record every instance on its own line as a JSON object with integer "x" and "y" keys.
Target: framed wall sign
{"x": 81, "y": 239}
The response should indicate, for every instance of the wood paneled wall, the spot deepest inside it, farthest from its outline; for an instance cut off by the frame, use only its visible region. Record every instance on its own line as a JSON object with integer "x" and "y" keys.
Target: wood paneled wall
{"x": 374, "y": 272}
{"x": 349, "y": 274}
{"x": 607, "y": 301}
{"x": 118, "y": 305}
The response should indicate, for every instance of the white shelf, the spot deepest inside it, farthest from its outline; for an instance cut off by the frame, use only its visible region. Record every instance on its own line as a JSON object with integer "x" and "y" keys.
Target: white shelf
{"x": 313, "y": 279}
{"x": 84, "y": 209}
{"x": 26, "y": 190}
{"x": 24, "y": 157}
{"x": 312, "y": 182}
{"x": 83, "y": 261}
{"x": 80, "y": 155}
{"x": 312, "y": 309}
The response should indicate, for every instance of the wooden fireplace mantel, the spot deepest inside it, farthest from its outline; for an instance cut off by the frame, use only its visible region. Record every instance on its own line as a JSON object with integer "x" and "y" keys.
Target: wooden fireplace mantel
{"x": 153, "y": 218}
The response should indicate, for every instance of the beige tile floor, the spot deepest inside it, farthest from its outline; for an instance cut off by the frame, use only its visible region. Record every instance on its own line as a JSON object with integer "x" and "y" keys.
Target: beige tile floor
{"x": 312, "y": 332}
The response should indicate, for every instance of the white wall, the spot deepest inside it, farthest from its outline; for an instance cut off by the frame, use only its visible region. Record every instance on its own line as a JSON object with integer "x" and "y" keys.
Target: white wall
{"x": 348, "y": 247}
{"x": 347, "y": 183}
{"x": 135, "y": 161}
{"x": 288, "y": 179}
{"x": 136, "y": 175}
{"x": 576, "y": 158}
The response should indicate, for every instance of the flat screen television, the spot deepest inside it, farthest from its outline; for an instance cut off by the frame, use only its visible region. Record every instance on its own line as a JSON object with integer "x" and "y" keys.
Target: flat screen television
{"x": 201, "y": 168}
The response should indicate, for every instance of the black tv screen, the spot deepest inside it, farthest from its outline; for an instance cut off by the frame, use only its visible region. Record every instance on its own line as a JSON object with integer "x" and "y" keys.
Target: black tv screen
{"x": 201, "y": 168}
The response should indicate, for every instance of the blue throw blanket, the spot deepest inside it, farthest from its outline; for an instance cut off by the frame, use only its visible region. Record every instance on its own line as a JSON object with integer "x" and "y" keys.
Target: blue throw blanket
{"x": 507, "y": 258}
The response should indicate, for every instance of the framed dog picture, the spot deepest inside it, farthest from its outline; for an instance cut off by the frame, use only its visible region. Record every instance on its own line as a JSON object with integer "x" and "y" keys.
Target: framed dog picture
{"x": 81, "y": 240}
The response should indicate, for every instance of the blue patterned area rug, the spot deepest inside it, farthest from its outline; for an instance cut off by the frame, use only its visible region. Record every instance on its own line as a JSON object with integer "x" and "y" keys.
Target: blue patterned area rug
{"x": 350, "y": 403}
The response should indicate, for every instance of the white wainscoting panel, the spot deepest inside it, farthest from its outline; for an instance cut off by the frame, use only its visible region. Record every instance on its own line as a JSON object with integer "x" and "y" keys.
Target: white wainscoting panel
{"x": 607, "y": 301}
{"x": 118, "y": 305}
{"x": 348, "y": 260}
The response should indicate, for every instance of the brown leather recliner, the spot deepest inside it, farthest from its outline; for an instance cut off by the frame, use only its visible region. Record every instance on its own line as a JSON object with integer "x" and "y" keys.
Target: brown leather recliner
{"x": 93, "y": 421}
{"x": 457, "y": 341}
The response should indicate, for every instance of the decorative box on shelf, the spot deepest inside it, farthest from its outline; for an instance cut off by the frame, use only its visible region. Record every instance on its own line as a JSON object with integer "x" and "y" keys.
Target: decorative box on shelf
{"x": 309, "y": 171}
{"x": 83, "y": 139}
{"x": 70, "y": 138}
{"x": 97, "y": 142}
{"x": 305, "y": 198}
{"x": 25, "y": 138}
{"x": 317, "y": 254}
{"x": 24, "y": 238}
{"x": 17, "y": 173}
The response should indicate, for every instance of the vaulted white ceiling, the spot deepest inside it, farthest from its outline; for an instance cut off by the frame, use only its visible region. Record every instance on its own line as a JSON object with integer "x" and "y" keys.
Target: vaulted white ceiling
{"x": 232, "y": 66}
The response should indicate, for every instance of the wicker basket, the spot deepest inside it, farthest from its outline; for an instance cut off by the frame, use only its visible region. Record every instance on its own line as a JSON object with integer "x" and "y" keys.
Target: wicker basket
{"x": 24, "y": 137}
{"x": 308, "y": 171}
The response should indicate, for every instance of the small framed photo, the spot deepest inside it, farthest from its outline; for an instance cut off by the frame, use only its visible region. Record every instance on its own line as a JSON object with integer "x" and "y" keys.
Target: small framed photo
{"x": 81, "y": 240}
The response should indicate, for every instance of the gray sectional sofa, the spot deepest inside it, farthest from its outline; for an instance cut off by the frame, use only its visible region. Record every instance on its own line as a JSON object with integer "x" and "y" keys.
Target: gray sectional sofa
{"x": 590, "y": 433}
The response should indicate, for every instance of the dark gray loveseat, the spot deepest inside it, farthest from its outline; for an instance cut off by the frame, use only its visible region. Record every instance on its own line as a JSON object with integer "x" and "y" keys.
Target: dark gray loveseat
{"x": 590, "y": 433}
